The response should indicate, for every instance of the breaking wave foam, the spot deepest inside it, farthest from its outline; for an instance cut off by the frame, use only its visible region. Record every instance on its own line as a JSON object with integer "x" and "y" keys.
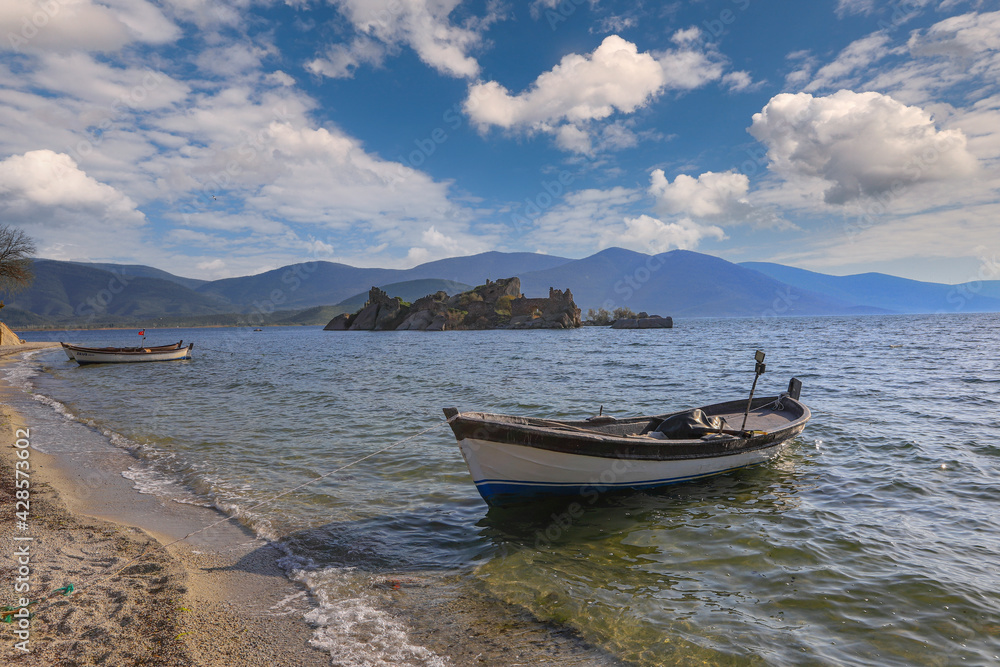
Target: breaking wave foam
{"x": 349, "y": 623}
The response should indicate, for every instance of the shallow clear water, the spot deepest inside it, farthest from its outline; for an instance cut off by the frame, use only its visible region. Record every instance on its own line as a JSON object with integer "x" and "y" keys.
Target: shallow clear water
{"x": 872, "y": 540}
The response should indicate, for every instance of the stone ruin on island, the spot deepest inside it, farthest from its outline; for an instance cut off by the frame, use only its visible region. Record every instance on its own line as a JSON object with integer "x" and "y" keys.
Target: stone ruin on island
{"x": 495, "y": 305}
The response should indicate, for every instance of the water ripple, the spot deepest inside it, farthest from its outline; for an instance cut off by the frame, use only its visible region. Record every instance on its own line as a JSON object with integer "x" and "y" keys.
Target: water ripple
{"x": 873, "y": 540}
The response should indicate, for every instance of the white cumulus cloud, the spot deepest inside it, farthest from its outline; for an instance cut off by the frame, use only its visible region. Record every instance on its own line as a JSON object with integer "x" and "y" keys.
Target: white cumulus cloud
{"x": 860, "y": 144}
{"x": 69, "y": 214}
{"x": 615, "y": 77}
{"x": 106, "y": 87}
{"x": 957, "y": 54}
{"x": 647, "y": 234}
{"x": 324, "y": 177}
{"x": 973, "y": 37}
{"x": 435, "y": 245}
{"x": 341, "y": 60}
{"x": 580, "y": 87}
{"x": 69, "y": 25}
{"x": 43, "y": 185}
{"x": 424, "y": 25}
{"x": 592, "y": 219}
{"x": 855, "y": 58}
{"x": 710, "y": 195}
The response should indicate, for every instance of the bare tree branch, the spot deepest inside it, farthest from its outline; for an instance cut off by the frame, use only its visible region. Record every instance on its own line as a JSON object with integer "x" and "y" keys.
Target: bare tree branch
{"x": 16, "y": 251}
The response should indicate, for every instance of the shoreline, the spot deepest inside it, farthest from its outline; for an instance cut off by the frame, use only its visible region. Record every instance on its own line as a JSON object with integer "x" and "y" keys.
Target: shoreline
{"x": 159, "y": 328}
{"x": 220, "y": 598}
{"x": 221, "y": 601}
{"x": 127, "y": 618}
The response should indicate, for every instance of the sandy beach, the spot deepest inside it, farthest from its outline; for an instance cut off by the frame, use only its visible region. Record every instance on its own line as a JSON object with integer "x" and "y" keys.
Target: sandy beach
{"x": 158, "y": 582}
{"x": 222, "y": 601}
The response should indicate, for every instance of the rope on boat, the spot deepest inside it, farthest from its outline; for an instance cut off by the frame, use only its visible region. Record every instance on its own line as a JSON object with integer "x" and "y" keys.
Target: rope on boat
{"x": 776, "y": 403}
{"x": 69, "y": 588}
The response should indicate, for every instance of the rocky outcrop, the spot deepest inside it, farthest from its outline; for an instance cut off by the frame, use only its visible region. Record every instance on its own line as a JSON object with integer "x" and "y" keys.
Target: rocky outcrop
{"x": 390, "y": 315}
{"x": 8, "y": 337}
{"x": 652, "y": 322}
{"x": 495, "y": 305}
{"x": 428, "y": 313}
{"x": 380, "y": 312}
{"x": 556, "y": 312}
{"x": 492, "y": 292}
{"x": 367, "y": 317}
{"x": 340, "y": 323}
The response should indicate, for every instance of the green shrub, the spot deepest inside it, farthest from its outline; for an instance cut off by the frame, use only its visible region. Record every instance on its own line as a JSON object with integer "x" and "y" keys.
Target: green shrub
{"x": 599, "y": 316}
{"x": 622, "y": 313}
{"x": 503, "y": 305}
{"x": 469, "y": 297}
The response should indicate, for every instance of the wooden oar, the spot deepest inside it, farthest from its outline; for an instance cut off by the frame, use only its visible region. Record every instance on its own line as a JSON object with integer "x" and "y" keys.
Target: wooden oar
{"x": 729, "y": 431}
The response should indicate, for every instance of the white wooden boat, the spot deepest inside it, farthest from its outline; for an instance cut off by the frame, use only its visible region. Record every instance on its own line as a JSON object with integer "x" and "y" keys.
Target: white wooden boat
{"x": 515, "y": 459}
{"x": 84, "y": 356}
{"x": 69, "y": 349}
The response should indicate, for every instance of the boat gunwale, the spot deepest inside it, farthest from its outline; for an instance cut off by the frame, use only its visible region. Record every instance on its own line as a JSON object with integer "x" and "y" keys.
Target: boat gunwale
{"x": 179, "y": 354}
{"x": 601, "y": 445}
{"x": 116, "y": 350}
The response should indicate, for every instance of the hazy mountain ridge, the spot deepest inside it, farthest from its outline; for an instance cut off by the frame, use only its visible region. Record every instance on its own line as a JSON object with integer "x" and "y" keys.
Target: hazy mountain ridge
{"x": 891, "y": 293}
{"x": 65, "y": 291}
{"x": 679, "y": 283}
{"x": 325, "y": 283}
{"x": 143, "y": 271}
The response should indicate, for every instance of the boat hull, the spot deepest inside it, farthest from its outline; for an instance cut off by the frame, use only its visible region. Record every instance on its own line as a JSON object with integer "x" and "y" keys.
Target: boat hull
{"x": 505, "y": 473}
{"x": 513, "y": 460}
{"x": 84, "y": 357}
{"x": 71, "y": 350}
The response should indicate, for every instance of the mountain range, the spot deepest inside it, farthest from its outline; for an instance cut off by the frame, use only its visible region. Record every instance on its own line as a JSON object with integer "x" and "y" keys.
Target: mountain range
{"x": 679, "y": 283}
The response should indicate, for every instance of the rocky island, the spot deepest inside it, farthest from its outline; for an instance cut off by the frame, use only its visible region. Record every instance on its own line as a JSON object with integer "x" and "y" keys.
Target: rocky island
{"x": 495, "y": 305}
{"x": 643, "y": 321}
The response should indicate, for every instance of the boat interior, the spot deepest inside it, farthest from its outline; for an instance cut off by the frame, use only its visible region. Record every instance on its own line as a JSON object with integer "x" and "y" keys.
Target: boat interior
{"x": 720, "y": 420}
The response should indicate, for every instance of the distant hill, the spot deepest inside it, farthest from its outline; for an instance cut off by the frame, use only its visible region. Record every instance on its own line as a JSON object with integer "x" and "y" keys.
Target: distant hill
{"x": 679, "y": 283}
{"x": 296, "y": 286}
{"x": 323, "y": 283}
{"x": 16, "y": 318}
{"x": 891, "y": 293}
{"x": 309, "y": 316}
{"x": 81, "y": 295}
{"x": 990, "y": 288}
{"x": 409, "y": 290}
{"x": 142, "y": 271}
{"x": 475, "y": 269}
{"x": 70, "y": 291}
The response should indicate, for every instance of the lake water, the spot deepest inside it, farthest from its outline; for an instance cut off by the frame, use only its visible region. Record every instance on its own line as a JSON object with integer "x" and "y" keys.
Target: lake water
{"x": 874, "y": 539}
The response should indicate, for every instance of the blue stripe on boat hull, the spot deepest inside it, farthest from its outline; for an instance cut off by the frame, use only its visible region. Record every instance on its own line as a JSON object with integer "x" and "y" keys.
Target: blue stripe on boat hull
{"x": 498, "y": 492}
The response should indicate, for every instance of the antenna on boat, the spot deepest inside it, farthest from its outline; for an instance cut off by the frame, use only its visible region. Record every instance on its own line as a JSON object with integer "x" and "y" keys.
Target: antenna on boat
{"x": 758, "y": 371}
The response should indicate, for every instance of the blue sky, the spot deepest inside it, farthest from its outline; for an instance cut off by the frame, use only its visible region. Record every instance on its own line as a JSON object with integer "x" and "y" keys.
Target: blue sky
{"x": 215, "y": 139}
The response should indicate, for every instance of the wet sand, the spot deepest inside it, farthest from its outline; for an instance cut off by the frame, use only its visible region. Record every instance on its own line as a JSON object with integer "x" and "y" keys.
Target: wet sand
{"x": 145, "y": 596}
{"x": 218, "y": 600}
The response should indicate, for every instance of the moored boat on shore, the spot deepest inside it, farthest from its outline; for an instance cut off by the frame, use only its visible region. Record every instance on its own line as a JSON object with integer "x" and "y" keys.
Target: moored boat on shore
{"x": 90, "y": 355}
{"x": 513, "y": 459}
{"x": 69, "y": 349}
